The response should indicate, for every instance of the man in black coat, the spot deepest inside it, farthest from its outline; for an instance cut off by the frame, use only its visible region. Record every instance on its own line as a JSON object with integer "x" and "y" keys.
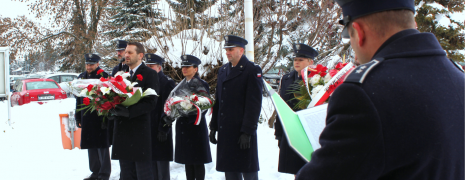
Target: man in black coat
{"x": 236, "y": 112}
{"x": 94, "y": 134}
{"x": 132, "y": 142}
{"x": 120, "y": 48}
{"x": 162, "y": 138}
{"x": 400, "y": 114}
{"x": 289, "y": 160}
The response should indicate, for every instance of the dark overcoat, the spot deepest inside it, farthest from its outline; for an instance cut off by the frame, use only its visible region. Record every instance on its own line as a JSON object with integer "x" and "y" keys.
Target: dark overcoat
{"x": 132, "y": 136}
{"x": 119, "y": 67}
{"x": 397, "y": 118}
{"x": 192, "y": 144}
{"x": 92, "y": 134}
{"x": 236, "y": 111}
{"x": 289, "y": 160}
{"x": 162, "y": 151}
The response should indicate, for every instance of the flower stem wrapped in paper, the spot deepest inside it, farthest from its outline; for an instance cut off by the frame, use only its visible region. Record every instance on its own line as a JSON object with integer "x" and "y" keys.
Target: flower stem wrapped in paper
{"x": 103, "y": 94}
{"x": 188, "y": 98}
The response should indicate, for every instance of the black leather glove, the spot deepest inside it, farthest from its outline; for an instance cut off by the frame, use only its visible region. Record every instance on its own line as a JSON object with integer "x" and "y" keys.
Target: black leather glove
{"x": 244, "y": 141}
{"x": 104, "y": 125}
{"x": 162, "y": 136}
{"x": 212, "y": 137}
{"x": 78, "y": 123}
{"x": 168, "y": 120}
{"x": 111, "y": 117}
{"x": 120, "y": 111}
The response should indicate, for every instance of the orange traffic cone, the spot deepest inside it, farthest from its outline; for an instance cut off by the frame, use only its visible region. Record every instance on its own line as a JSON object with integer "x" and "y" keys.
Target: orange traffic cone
{"x": 69, "y": 138}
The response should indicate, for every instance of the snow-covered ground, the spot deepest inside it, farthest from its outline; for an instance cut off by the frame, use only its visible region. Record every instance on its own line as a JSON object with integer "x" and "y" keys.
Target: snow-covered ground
{"x": 31, "y": 147}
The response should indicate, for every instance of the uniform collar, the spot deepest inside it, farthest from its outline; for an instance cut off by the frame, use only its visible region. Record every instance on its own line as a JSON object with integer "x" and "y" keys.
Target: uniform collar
{"x": 409, "y": 43}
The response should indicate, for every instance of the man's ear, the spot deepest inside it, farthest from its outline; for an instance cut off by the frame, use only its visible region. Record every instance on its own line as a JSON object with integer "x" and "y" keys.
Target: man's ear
{"x": 359, "y": 30}
{"x": 141, "y": 56}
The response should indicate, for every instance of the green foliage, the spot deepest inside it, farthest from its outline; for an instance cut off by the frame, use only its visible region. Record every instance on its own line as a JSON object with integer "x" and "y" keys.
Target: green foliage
{"x": 452, "y": 37}
{"x": 134, "y": 20}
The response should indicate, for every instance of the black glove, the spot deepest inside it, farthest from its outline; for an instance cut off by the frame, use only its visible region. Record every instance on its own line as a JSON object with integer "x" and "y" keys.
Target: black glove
{"x": 111, "y": 117}
{"x": 244, "y": 141}
{"x": 212, "y": 137}
{"x": 162, "y": 136}
{"x": 120, "y": 111}
{"x": 104, "y": 125}
{"x": 78, "y": 123}
{"x": 168, "y": 120}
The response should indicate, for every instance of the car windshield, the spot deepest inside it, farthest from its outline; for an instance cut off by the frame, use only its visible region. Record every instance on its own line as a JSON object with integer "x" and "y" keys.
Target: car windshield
{"x": 41, "y": 85}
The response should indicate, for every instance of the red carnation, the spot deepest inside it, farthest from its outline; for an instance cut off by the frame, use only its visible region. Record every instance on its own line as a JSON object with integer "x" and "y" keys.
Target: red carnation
{"x": 89, "y": 87}
{"x": 86, "y": 101}
{"x": 100, "y": 71}
{"x": 333, "y": 72}
{"x": 119, "y": 78}
{"x": 139, "y": 77}
{"x": 103, "y": 79}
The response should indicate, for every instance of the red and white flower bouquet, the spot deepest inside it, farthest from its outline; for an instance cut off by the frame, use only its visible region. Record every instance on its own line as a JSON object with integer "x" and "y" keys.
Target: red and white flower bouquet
{"x": 103, "y": 94}
{"x": 188, "y": 99}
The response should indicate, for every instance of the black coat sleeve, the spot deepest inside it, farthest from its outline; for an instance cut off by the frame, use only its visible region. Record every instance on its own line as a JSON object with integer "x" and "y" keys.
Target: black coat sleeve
{"x": 278, "y": 127}
{"x": 167, "y": 90}
{"x": 253, "y": 104}
{"x": 352, "y": 141}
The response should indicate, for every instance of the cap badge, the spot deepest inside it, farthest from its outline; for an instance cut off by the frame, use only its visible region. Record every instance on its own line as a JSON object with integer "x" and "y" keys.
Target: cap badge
{"x": 184, "y": 57}
{"x": 297, "y": 46}
{"x": 148, "y": 56}
{"x": 226, "y": 38}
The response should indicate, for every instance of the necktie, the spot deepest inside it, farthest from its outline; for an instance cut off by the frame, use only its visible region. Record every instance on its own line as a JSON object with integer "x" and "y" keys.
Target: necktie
{"x": 131, "y": 72}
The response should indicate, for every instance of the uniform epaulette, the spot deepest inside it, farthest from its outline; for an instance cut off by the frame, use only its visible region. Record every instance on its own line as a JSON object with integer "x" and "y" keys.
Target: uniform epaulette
{"x": 457, "y": 65}
{"x": 359, "y": 74}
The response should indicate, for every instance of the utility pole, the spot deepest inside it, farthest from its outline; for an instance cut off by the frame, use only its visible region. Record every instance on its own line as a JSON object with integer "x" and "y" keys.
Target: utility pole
{"x": 248, "y": 12}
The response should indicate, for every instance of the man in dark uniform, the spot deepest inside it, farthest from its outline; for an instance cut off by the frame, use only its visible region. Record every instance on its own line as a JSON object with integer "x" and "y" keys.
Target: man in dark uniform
{"x": 289, "y": 160}
{"x": 120, "y": 48}
{"x": 132, "y": 142}
{"x": 400, "y": 114}
{"x": 94, "y": 134}
{"x": 236, "y": 112}
{"x": 162, "y": 138}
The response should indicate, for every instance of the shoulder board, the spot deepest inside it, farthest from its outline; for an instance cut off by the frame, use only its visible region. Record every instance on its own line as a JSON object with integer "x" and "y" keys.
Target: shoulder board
{"x": 359, "y": 74}
{"x": 457, "y": 65}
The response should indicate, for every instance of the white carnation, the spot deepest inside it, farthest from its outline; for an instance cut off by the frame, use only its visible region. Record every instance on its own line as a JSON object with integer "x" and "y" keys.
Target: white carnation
{"x": 327, "y": 78}
{"x": 125, "y": 75}
{"x": 83, "y": 93}
{"x": 186, "y": 105}
{"x": 315, "y": 79}
{"x": 316, "y": 89}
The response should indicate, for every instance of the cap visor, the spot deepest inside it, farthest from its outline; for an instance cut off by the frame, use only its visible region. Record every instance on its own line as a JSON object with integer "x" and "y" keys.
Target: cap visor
{"x": 345, "y": 33}
{"x": 226, "y": 47}
{"x": 121, "y": 49}
{"x": 91, "y": 62}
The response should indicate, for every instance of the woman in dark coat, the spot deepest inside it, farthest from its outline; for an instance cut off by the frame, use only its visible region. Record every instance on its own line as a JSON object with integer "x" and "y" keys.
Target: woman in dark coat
{"x": 192, "y": 147}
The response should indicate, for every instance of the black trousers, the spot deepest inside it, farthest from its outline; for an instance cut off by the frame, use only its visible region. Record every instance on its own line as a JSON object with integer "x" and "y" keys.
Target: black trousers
{"x": 99, "y": 163}
{"x": 136, "y": 170}
{"x": 195, "y": 171}
{"x": 238, "y": 176}
{"x": 161, "y": 170}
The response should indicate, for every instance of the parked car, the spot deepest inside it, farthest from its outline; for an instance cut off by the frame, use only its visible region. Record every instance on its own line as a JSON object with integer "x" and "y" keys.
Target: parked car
{"x": 29, "y": 90}
{"x": 63, "y": 79}
{"x": 273, "y": 80}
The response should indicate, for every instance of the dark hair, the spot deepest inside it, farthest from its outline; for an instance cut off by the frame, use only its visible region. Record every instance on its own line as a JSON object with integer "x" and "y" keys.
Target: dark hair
{"x": 196, "y": 73}
{"x": 139, "y": 47}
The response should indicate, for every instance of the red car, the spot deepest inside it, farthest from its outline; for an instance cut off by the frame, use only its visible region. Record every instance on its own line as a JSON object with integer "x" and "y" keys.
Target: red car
{"x": 28, "y": 90}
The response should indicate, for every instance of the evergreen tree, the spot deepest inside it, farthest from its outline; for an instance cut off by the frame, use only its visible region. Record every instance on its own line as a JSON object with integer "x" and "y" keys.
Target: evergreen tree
{"x": 134, "y": 20}
{"x": 191, "y": 13}
{"x": 450, "y": 37}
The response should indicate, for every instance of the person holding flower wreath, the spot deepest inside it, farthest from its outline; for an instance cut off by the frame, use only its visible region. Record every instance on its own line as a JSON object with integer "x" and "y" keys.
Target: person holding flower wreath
{"x": 94, "y": 134}
{"x": 132, "y": 143}
{"x": 289, "y": 160}
{"x": 192, "y": 145}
